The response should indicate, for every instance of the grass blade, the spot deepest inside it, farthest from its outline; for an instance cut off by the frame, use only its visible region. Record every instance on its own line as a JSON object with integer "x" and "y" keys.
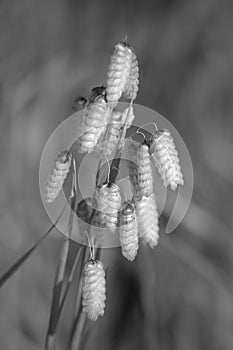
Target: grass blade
{"x": 75, "y": 332}
{"x": 10, "y": 272}
{"x": 58, "y": 283}
{"x": 57, "y": 290}
{"x": 77, "y": 338}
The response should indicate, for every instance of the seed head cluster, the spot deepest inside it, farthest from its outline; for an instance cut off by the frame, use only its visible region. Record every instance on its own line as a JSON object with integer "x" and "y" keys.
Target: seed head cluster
{"x": 113, "y": 132}
{"x": 95, "y": 118}
{"x": 104, "y": 128}
{"x": 166, "y": 159}
{"x": 128, "y": 231}
{"x": 58, "y": 175}
{"x": 108, "y": 200}
{"x": 118, "y": 72}
{"x": 147, "y": 215}
{"x": 131, "y": 88}
{"x": 140, "y": 170}
{"x": 93, "y": 289}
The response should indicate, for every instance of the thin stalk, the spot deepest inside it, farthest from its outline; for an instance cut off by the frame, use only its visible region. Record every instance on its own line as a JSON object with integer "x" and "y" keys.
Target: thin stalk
{"x": 75, "y": 338}
{"x": 70, "y": 279}
{"x": 79, "y": 317}
{"x": 57, "y": 290}
{"x": 57, "y": 300}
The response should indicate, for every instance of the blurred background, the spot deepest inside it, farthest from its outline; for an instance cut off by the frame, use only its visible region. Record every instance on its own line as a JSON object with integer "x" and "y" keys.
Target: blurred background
{"x": 180, "y": 295}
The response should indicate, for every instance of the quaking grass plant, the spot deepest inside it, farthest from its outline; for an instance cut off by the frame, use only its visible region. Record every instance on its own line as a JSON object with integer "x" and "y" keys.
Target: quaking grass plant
{"x": 104, "y": 129}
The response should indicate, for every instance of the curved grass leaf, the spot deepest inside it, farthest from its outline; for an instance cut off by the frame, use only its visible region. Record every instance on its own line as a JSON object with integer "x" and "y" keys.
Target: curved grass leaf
{"x": 10, "y": 272}
{"x": 59, "y": 281}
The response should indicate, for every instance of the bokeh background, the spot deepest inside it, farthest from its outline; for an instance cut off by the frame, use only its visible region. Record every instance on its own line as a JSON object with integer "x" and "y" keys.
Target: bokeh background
{"x": 179, "y": 296}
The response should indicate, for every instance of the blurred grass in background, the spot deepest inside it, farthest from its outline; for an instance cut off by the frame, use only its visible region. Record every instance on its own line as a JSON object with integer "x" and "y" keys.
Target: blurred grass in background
{"x": 179, "y": 296}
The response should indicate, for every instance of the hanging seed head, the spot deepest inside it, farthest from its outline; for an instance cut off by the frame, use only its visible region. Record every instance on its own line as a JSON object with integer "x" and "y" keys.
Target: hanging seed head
{"x": 166, "y": 159}
{"x": 131, "y": 88}
{"x": 147, "y": 216}
{"x": 118, "y": 72}
{"x": 58, "y": 175}
{"x": 128, "y": 116}
{"x": 128, "y": 231}
{"x": 95, "y": 118}
{"x": 108, "y": 200}
{"x": 93, "y": 289}
{"x": 140, "y": 170}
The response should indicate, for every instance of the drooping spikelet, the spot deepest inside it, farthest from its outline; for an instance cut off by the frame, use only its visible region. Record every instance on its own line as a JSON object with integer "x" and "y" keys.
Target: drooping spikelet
{"x": 113, "y": 132}
{"x": 128, "y": 231}
{"x": 58, "y": 175}
{"x": 147, "y": 216}
{"x": 95, "y": 118}
{"x": 118, "y": 72}
{"x": 166, "y": 159}
{"x": 93, "y": 289}
{"x": 140, "y": 170}
{"x": 108, "y": 204}
{"x": 131, "y": 88}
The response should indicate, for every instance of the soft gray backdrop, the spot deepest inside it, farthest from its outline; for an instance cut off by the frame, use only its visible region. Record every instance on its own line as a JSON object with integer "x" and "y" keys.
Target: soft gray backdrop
{"x": 180, "y": 296}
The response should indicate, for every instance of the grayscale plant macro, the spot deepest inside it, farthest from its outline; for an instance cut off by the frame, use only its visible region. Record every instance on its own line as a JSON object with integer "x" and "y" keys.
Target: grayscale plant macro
{"x": 107, "y": 238}
{"x": 103, "y": 131}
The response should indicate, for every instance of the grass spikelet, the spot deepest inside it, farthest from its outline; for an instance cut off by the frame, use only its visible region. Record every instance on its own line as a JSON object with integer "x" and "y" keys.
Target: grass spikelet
{"x": 166, "y": 159}
{"x": 108, "y": 204}
{"x": 147, "y": 216}
{"x": 131, "y": 88}
{"x": 118, "y": 72}
{"x": 95, "y": 118}
{"x": 128, "y": 231}
{"x": 94, "y": 289}
{"x": 58, "y": 175}
{"x": 140, "y": 170}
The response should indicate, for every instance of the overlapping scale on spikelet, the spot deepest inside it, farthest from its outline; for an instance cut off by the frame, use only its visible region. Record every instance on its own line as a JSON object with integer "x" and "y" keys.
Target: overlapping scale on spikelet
{"x": 147, "y": 216}
{"x": 108, "y": 200}
{"x": 131, "y": 88}
{"x": 58, "y": 175}
{"x": 93, "y": 289}
{"x": 95, "y": 118}
{"x": 166, "y": 159}
{"x": 140, "y": 170}
{"x": 128, "y": 231}
{"x": 118, "y": 72}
